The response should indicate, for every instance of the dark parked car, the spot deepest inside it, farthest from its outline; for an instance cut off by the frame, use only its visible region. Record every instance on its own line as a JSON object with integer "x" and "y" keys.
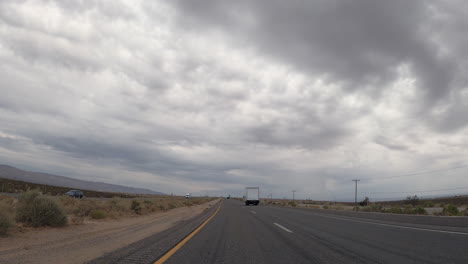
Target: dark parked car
{"x": 75, "y": 194}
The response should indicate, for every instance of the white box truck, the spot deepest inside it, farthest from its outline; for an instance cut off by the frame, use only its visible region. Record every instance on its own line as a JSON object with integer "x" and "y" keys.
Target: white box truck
{"x": 252, "y": 195}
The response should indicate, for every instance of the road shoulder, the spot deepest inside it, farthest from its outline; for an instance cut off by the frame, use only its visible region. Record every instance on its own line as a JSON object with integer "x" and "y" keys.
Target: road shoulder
{"x": 81, "y": 243}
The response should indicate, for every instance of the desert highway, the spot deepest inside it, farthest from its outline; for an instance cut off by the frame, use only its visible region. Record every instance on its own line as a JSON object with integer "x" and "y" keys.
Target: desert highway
{"x": 264, "y": 234}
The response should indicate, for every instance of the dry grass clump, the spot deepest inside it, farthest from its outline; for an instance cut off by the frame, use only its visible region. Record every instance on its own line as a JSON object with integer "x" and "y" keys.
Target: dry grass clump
{"x": 98, "y": 214}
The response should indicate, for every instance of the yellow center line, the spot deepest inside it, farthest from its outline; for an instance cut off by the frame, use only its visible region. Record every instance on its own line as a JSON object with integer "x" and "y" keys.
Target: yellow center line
{"x": 186, "y": 239}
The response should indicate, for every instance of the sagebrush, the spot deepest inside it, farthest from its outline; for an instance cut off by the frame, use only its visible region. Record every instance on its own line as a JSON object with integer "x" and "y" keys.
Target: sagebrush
{"x": 6, "y": 223}
{"x": 35, "y": 209}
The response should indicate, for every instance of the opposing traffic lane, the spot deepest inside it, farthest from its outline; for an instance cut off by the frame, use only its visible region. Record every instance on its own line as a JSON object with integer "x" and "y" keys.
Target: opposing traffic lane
{"x": 261, "y": 234}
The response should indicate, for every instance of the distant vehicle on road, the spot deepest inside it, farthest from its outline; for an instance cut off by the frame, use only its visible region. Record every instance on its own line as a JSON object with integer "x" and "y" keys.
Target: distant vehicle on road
{"x": 228, "y": 197}
{"x": 75, "y": 194}
{"x": 187, "y": 196}
{"x": 252, "y": 195}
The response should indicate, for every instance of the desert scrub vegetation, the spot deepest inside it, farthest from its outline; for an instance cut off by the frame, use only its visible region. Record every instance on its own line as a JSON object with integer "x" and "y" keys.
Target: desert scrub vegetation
{"x": 98, "y": 214}
{"x": 6, "y": 223}
{"x": 406, "y": 209}
{"x": 452, "y": 210}
{"x": 7, "y": 215}
{"x": 35, "y": 209}
{"x": 32, "y": 208}
{"x": 80, "y": 209}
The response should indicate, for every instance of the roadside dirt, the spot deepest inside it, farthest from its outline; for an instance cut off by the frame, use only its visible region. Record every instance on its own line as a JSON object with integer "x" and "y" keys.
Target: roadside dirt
{"x": 81, "y": 243}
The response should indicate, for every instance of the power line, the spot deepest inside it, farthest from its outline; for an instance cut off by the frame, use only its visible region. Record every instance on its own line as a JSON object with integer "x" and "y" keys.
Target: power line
{"x": 414, "y": 174}
{"x": 405, "y": 192}
{"x": 420, "y": 191}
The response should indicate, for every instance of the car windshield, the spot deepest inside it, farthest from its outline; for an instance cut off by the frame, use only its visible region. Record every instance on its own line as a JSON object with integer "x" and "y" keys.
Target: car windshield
{"x": 233, "y": 131}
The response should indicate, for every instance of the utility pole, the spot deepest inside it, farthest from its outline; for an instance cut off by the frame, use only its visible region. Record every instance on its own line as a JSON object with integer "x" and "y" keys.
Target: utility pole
{"x": 293, "y": 191}
{"x": 355, "y": 192}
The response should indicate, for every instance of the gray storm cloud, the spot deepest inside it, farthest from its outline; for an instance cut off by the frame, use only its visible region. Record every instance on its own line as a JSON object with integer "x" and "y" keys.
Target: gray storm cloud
{"x": 212, "y": 96}
{"x": 360, "y": 44}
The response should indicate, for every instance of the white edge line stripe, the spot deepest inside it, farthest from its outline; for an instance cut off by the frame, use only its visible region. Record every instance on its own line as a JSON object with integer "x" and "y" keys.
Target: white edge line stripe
{"x": 253, "y": 212}
{"x": 398, "y": 226}
{"x": 282, "y": 227}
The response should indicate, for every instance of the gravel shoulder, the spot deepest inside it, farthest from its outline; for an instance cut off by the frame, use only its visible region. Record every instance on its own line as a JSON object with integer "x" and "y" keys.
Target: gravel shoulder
{"x": 81, "y": 243}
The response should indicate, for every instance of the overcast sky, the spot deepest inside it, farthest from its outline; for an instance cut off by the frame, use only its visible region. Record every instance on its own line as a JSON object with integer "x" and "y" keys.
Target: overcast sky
{"x": 212, "y": 96}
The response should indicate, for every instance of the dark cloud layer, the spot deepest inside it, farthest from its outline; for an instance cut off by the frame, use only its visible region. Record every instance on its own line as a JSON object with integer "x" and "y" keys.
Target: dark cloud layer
{"x": 210, "y": 96}
{"x": 360, "y": 44}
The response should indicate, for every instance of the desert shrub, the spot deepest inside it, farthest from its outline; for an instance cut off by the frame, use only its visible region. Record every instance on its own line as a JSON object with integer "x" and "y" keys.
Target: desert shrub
{"x": 199, "y": 200}
{"x": 68, "y": 201}
{"x": 98, "y": 214}
{"x": 171, "y": 205}
{"x": 428, "y": 204}
{"x": 135, "y": 206}
{"x": 372, "y": 208}
{"x": 408, "y": 209}
{"x": 114, "y": 201}
{"x": 325, "y": 207}
{"x": 162, "y": 207}
{"x": 394, "y": 210}
{"x": 291, "y": 203}
{"x": 450, "y": 210}
{"x": 465, "y": 213}
{"x": 7, "y": 213}
{"x": 117, "y": 205}
{"x": 419, "y": 210}
{"x": 187, "y": 203}
{"x": 365, "y": 202}
{"x": 413, "y": 200}
{"x": 6, "y": 223}
{"x": 7, "y": 205}
{"x": 36, "y": 210}
{"x": 83, "y": 209}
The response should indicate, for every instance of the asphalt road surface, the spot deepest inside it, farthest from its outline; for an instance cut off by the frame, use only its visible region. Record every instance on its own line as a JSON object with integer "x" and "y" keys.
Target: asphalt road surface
{"x": 262, "y": 234}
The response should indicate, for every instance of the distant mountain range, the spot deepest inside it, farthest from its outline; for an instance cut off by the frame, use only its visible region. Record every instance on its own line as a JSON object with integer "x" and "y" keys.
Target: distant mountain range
{"x": 12, "y": 173}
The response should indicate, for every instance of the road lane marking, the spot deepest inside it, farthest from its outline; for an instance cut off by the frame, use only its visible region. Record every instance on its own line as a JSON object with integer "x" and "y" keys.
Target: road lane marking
{"x": 253, "y": 212}
{"x": 390, "y": 225}
{"x": 171, "y": 252}
{"x": 282, "y": 227}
